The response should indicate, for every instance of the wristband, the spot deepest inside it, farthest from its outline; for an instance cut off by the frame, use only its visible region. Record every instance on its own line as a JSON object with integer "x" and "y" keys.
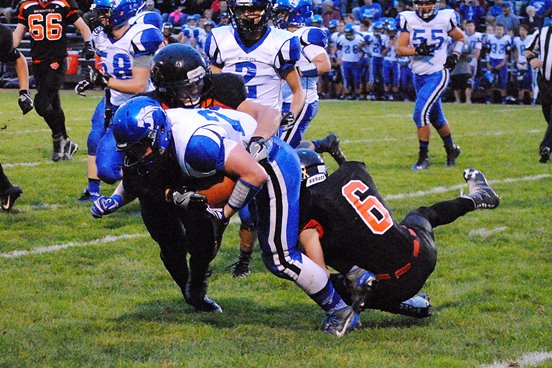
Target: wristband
{"x": 23, "y": 92}
{"x": 308, "y": 70}
{"x": 241, "y": 195}
{"x": 530, "y": 57}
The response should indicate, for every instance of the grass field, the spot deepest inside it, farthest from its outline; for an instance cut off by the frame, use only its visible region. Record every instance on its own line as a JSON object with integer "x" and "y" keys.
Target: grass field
{"x": 79, "y": 292}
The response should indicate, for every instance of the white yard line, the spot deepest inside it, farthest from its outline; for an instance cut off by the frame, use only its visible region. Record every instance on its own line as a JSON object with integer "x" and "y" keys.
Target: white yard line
{"x": 58, "y": 247}
{"x": 485, "y": 233}
{"x": 526, "y": 360}
{"x": 496, "y": 133}
{"x": 32, "y": 164}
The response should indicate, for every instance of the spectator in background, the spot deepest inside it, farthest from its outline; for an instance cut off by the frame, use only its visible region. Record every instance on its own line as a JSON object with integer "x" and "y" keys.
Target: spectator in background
{"x": 542, "y": 8}
{"x": 494, "y": 11}
{"x": 470, "y": 10}
{"x": 509, "y": 20}
{"x": 224, "y": 19}
{"x": 165, "y": 7}
{"x": 532, "y": 20}
{"x": 347, "y": 6}
{"x": 177, "y": 17}
{"x": 150, "y": 6}
{"x": 372, "y": 8}
{"x": 7, "y": 9}
{"x": 330, "y": 12}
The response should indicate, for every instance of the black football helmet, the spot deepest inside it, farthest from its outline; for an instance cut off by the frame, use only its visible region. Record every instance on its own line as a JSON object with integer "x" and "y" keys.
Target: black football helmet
{"x": 313, "y": 168}
{"x": 242, "y": 22}
{"x": 181, "y": 75}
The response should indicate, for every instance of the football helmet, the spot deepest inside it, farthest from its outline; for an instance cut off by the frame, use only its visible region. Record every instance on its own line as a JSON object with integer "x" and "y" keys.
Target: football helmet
{"x": 349, "y": 32}
{"x": 280, "y": 11}
{"x": 300, "y": 11}
{"x": 425, "y": 9}
{"x": 249, "y": 16}
{"x": 317, "y": 21}
{"x": 167, "y": 29}
{"x": 378, "y": 27}
{"x": 142, "y": 131}
{"x": 332, "y": 26}
{"x": 313, "y": 168}
{"x": 114, "y": 13}
{"x": 180, "y": 75}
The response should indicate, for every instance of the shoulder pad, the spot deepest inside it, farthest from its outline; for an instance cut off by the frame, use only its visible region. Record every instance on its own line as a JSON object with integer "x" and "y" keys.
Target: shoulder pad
{"x": 147, "y": 41}
{"x": 315, "y": 36}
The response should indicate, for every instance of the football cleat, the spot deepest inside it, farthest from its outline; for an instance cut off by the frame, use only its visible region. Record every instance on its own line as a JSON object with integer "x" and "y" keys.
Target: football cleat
{"x": 341, "y": 321}
{"x": 452, "y": 153}
{"x": 88, "y": 196}
{"x": 422, "y": 164}
{"x": 361, "y": 287}
{"x": 330, "y": 144}
{"x": 206, "y": 305}
{"x": 482, "y": 195}
{"x": 544, "y": 155}
{"x": 59, "y": 149}
{"x": 241, "y": 268}
{"x": 69, "y": 149}
{"x": 10, "y": 196}
{"x": 418, "y": 306}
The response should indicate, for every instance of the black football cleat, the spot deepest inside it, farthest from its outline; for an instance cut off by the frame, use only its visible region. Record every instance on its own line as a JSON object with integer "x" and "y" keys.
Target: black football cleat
{"x": 330, "y": 144}
{"x": 242, "y": 267}
{"x": 207, "y": 305}
{"x": 418, "y": 306}
{"x": 10, "y": 196}
{"x": 88, "y": 196}
{"x": 59, "y": 148}
{"x": 482, "y": 195}
{"x": 69, "y": 149}
{"x": 422, "y": 163}
{"x": 452, "y": 154}
{"x": 544, "y": 155}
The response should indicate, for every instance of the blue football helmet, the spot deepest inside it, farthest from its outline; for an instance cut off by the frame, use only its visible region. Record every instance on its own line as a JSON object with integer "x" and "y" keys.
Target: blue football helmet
{"x": 300, "y": 12}
{"x": 333, "y": 24}
{"x": 280, "y": 11}
{"x": 242, "y": 22}
{"x": 116, "y": 12}
{"x": 378, "y": 27}
{"x": 317, "y": 21}
{"x": 142, "y": 131}
{"x": 349, "y": 32}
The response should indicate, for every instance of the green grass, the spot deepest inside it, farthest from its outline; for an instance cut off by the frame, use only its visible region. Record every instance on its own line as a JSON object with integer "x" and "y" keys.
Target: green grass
{"x": 113, "y": 303}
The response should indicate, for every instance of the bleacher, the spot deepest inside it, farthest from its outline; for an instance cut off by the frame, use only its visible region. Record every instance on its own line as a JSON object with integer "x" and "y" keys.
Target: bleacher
{"x": 74, "y": 46}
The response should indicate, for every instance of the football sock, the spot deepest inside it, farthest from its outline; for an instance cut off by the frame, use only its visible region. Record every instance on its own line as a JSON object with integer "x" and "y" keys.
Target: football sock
{"x": 448, "y": 140}
{"x": 328, "y": 299}
{"x": 94, "y": 186}
{"x": 445, "y": 212}
{"x": 424, "y": 147}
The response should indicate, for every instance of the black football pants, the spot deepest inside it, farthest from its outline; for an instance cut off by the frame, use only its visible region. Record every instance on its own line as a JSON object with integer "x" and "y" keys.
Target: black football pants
{"x": 49, "y": 78}
{"x": 545, "y": 90}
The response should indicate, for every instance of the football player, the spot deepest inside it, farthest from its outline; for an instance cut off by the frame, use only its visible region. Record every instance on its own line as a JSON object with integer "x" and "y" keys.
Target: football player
{"x": 377, "y": 43}
{"x": 350, "y": 44}
{"x": 47, "y": 23}
{"x": 422, "y": 35}
{"x": 390, "y": 64}
{"x": 346, "y": 224}
{"x": 499, "y": 45}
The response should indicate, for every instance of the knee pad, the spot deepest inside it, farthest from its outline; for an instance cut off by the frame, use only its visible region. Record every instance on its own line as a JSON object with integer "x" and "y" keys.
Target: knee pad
{"x": 93, "y": 140}
{"x": 109, "y": 161}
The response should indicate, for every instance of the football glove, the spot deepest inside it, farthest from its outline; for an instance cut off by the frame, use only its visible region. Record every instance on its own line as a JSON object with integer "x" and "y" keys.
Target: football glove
{"x": 106, "y": 205}
{"x": 82, "y": 86}
{"x": 96, "y": 77}
{"x": 25, "y": 101}
{"x": 219, "y": 221}
{"x": 423, "y": 49}
{"x": 287, "y": 121}
{"x": 452, "y": 59}
{"x": 188, "y": 200}
{"x": 257, "y": 148}
{"x": 87, "y": 51}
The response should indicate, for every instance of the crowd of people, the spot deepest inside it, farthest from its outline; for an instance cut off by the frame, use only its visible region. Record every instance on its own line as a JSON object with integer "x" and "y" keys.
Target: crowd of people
{"x": 206, "y": 106}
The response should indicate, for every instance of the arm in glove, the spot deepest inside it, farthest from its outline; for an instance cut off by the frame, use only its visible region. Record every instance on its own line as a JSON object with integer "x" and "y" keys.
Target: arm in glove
{"x": 82, "y": 86}
{"x": 106, "y": 205}
{"x": 25, "y": 101}
{"x": 87, "y": 51}
{"x": 452, "y": 60}
{"x": 257, "y": 148}
{"x": 188, "y": 200}
{"x": 219, "y": 221}
{"x": 288, "y": 120}
{"x": 95, "y": 77}
{"x": 423, "y": 49}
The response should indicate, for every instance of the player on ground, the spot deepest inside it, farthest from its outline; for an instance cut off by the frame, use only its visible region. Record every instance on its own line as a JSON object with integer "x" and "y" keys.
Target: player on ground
{"x": 346, "y": 223}
{"x": 422, "y": 35}
{"x": 47, "y": 21}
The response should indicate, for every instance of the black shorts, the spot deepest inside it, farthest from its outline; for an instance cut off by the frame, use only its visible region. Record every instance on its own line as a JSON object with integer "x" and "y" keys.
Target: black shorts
{"x": 461, "y": 81}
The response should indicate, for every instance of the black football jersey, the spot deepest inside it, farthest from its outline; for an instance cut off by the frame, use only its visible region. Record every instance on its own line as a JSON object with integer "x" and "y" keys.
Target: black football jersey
{"x": 357, "y": 225}
{"x": 47, "y": 25}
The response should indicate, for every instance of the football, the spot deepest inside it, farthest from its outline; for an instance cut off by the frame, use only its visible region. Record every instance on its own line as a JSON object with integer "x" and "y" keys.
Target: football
{"x": 216, "y": 188}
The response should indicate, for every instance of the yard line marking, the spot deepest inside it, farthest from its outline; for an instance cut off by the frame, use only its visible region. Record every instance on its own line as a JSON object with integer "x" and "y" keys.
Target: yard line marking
{"x": 27, "y": 131}
{"x": 485, "y": 233}
{"x": 57, "y": 247}
{"x": 32, "y": 164}
{"x": 496, "y": 133}
{"x": 437, "y": 190}
{"x": 526, "y": 360}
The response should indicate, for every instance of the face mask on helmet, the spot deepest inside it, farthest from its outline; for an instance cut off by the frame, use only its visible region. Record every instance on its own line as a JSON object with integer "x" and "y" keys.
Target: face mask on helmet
{"x": 280, "y": 12}
{"x": 249, "y": 16}
{"x": 114, "y": 13}
{"x": 142, "y": 131}
{"x": 300, "y": 12}
{"x": 180, "y": 75}
{"x": 426, "y": 9}
{"x": 313, "y": 168}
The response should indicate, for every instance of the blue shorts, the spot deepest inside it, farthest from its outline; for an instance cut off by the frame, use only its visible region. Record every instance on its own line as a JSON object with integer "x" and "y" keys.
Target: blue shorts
{"x": 502, "y": 73}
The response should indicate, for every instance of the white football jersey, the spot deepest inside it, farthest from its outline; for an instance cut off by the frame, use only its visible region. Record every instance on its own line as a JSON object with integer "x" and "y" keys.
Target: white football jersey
{"x": 377, "y": 45}
{"x": 351, "y": 50}
{"x": 391, "y": 47}
{"x": 313, "y": 43}
{"x": 260, "y": 65}
{"x": 215, "y": 133}
{"x": 499, "y": 46}
{"x": 520, "y": 46}
{"x": 435, "y": 32}
{"x": 118, "y": 55}
{"x": 475, "y": 40}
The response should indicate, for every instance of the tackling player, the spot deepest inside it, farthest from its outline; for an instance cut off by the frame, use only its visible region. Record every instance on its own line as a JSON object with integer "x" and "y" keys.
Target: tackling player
{"x": 46, "y": 21}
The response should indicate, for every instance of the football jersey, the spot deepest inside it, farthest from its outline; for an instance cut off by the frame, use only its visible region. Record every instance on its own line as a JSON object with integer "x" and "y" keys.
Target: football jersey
{"x": 260, "y": 65}
{"x": 434, "y": 31}
{"x": 204, "y": 138}
{"x": 313, "y": 42}
{"x": 391, "y": 47}
{"x": 475, "y": 40}
{"x": 499, "y": 47}
{"x": 118, "y": 55}
{"x": 47, "y": 25}
{"x": 351, "y": 212}
{"x": 377, "y": 45}
{"x": 520, "y": 46}
{"x": 147, "y": 17}
{"x": 351, "y": 50}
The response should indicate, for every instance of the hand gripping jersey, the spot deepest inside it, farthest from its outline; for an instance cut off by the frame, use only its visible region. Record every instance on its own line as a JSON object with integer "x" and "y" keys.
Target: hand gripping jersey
{"x": 118, "y": 55}
{"x": 204, "y": 138}
{"x": 260, "y": 65}
{"x": 499, "y": 46}
{"x": 435, "y": 32}
{"x": 47, "y": 25}
{"x": 313, "y": 42}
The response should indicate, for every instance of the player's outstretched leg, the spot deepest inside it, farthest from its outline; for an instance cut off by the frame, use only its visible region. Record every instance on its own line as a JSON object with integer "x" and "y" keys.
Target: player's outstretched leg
{"x": 341, "y": 321}
{"x": 330, "y": 144}
{"x": 482, "y": 195}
